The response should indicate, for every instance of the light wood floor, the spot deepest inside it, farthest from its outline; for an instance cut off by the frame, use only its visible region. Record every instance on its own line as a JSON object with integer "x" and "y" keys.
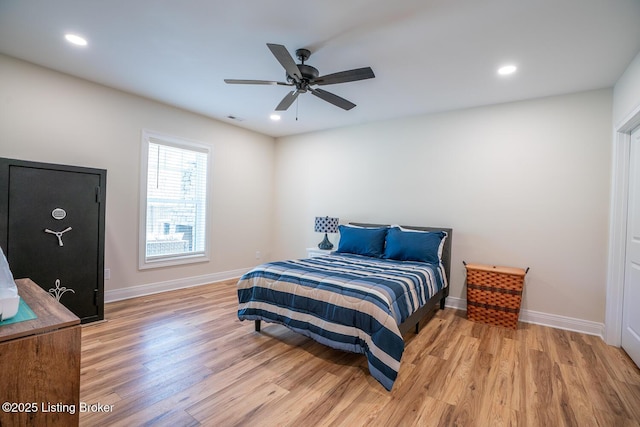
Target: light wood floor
{"x": 183, "y": 358}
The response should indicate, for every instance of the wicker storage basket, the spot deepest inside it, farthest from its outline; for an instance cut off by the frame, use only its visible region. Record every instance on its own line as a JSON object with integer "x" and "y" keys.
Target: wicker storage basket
{"x": 494, "y": 294}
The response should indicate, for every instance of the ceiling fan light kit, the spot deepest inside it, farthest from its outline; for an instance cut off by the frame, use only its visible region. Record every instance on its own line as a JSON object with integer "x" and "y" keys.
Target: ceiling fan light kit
{"x": 304, "y": 76}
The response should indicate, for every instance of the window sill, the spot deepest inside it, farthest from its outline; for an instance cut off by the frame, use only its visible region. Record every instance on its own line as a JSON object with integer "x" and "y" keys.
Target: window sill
{"x": 146, "y": 264}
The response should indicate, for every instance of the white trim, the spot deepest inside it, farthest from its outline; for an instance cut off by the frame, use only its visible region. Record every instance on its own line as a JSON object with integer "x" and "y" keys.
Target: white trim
{"x": 617, "y": 239}
{"x": 618, "y": 227}
{"x": 526, "y": 316}
{"x": 456, "y": 303}
{"x": 562, "y": 322}
{"x": 171, "y": 285}
{"x": 630, "y": 122}
{"x": 545, "y": 319}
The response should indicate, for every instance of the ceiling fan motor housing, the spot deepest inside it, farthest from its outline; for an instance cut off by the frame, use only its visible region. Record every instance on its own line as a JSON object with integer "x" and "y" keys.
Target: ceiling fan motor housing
{"x": 308, "y": 73}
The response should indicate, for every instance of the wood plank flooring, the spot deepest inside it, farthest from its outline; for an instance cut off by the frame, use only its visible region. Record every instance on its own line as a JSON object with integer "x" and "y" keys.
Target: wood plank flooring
{"x": 183, "y": 358}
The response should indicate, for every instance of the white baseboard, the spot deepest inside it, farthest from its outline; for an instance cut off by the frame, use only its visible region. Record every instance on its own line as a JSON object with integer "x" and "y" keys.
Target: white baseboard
{"x": 527, "y": 316}
{"x": 170, "y": 285}
{"x": 545, "y": 319}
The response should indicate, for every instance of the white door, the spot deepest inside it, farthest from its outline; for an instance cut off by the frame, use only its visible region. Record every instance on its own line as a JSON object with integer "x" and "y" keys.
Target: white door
{"x": 631, "y": 305}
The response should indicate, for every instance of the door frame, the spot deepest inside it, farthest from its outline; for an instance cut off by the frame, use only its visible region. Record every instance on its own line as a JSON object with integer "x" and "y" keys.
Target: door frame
{"x": 618, "y": 226}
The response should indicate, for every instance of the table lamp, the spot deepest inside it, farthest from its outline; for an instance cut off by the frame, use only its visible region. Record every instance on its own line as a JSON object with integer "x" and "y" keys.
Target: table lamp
{"x": 325, "y": 224}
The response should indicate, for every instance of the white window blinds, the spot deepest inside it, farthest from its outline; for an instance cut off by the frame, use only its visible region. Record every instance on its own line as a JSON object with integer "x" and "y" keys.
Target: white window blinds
{"x": 176, "y": 201}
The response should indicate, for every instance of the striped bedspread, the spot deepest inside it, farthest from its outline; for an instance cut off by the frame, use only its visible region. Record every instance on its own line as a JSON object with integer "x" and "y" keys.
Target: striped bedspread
{"x": 348, "y": 302}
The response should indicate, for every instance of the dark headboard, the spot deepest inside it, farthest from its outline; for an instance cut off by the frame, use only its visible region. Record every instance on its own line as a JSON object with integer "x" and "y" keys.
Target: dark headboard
{"x": 446, "y": 250}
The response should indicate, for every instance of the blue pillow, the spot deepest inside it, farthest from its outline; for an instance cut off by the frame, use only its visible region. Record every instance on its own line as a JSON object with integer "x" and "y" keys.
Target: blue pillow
{"x": 413, "y": 246}
{"x": 362, "y": 241}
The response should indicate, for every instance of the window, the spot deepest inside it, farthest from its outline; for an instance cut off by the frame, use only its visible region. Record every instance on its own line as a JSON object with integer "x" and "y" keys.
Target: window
{"x": 174, "y": 201}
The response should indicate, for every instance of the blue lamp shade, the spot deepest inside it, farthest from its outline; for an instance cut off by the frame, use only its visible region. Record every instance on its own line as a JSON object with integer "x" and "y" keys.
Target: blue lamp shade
{"x": 325, "y": 224}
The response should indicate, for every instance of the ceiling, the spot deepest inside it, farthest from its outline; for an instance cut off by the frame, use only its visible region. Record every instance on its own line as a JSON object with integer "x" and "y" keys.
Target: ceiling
{"x": 428, "y": 55}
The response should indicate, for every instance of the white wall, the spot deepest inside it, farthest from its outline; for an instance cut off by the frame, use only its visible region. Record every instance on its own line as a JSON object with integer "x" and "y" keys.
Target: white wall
{"x": 522, "y": 184}
{"x": 626, "y": 92}
{"x": 51, "y": 117}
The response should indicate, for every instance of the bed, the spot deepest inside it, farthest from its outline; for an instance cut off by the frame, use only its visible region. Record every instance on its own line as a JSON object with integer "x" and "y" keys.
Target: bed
{"x": 379, "y": 283}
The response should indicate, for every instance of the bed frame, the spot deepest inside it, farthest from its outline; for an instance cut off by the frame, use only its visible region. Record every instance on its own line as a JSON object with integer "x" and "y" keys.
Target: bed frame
{"x": 414, "y": 320}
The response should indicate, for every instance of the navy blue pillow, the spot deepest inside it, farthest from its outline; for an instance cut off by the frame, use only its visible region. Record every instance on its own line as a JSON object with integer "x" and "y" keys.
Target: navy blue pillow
{"x": 413, "y": 246}
{"x": 362, "y": 241}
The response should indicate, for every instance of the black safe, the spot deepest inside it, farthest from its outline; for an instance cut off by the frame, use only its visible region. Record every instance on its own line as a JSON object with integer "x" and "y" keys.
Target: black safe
{"x": 52, "y": 230}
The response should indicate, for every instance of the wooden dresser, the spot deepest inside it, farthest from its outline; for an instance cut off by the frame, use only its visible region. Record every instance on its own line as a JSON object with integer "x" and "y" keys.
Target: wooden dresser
{"x": 40, "y": 364}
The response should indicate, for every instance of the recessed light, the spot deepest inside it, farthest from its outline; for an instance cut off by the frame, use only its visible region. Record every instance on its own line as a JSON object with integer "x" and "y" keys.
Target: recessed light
{"x": 75, "y": 39}
{"x": 507, "y": 69}
{"x": 275, "y": 117}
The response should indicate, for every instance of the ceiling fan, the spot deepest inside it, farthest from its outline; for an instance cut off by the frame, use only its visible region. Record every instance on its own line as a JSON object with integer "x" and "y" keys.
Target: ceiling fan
{"x": 303, "y": 76}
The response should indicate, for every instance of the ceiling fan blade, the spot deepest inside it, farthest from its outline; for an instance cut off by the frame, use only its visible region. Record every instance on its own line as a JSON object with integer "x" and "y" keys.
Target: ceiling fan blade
{"x": 344, "y": 76}
{"x": 333, "y": 99}
{"x": 286, "y": 60}
{"x": 255, "y": 82}
{"x": 287, "y": 100}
